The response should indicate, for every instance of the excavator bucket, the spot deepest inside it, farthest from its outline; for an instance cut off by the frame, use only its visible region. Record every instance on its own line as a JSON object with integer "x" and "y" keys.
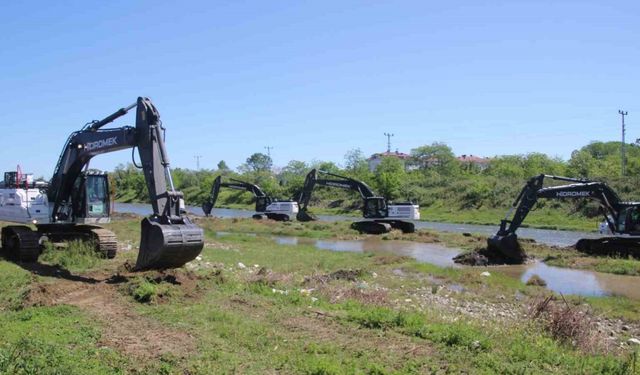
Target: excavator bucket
{"x": 506, "y": 248}
{"x": 304, "y": 215}
{"x": 168, "y": 245}
{"x": 207, "y": 207}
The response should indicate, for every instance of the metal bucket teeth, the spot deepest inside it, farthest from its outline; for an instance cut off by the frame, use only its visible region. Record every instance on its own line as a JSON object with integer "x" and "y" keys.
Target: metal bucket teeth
{"x": 168, "y": 245}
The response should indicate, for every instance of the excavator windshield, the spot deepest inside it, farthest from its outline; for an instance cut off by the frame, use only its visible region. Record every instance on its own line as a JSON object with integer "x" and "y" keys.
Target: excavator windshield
{"x": 97, "y": 195}
{"x": 375, "y": 207}
{"x": 629, "y": 220}
{"x": 90, "y": 199}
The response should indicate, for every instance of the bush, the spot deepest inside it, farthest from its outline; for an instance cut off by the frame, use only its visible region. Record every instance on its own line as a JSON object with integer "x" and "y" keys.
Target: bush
{"x": 75, "y": 255}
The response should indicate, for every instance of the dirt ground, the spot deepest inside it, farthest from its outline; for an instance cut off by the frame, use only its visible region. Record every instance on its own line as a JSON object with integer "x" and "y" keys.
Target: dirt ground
{"x": 122, "y": 328}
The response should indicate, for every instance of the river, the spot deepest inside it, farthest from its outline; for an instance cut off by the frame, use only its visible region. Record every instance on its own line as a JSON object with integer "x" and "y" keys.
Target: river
{"x": 545, "y": 236}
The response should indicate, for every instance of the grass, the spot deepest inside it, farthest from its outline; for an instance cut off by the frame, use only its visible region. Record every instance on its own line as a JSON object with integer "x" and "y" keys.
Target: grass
{"x": 280, "y": 314}
{"x": 75, "y": 256}
{"x": 14, "y": 285}
{"x": 54, "y": 340}
{"x": 544, "y": 218}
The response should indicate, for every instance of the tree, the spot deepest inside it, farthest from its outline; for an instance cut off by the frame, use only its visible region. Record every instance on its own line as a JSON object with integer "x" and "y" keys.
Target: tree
{"x": 389, "y": 176}
{"x": 295, "y": 167}
{"x": 222, "y": 166}
{"x": 581, "y": 164}
{"x": 437, "y": 155}
{"x": 355, "y": 162}
{"x": 259, "y": 162}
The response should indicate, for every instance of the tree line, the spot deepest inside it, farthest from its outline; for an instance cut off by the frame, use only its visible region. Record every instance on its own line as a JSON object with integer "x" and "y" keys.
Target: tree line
{"x": 432, "y": 175}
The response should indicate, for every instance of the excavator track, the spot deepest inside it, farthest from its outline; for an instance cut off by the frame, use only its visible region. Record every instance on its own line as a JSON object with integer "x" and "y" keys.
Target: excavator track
{"x": 610, "y": 246}
{"x": 21, "y": 243}
{"x": 105, "y": 241}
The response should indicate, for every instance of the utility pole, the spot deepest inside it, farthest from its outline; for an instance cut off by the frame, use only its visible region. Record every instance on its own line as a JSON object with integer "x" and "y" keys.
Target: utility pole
{"x": 624, "y": 162}
{"x": 388, "y": 135}
{"x": 268, "y": 148}
{"x": 197, "y": 157}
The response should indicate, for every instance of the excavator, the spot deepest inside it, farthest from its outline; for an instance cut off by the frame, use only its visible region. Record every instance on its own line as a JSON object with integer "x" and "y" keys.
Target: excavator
{"x": 382, "y": 216}
{"x": 76, "y": 198}
{"x": 274, "y": 209}
{"x": 622, "y": 218}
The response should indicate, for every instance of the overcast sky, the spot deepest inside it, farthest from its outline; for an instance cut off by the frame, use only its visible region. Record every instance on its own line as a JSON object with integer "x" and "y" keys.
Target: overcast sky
{"x": 316, "y": 79}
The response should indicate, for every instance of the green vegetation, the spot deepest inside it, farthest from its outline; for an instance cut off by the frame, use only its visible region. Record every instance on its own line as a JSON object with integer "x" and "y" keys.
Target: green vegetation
{"x": 74, "y": 256}
{"x": 14, "y": 284}
{"x": 446, "y": 188}
{"x": 249, "y": 305}
{"x": 54, "y": 340}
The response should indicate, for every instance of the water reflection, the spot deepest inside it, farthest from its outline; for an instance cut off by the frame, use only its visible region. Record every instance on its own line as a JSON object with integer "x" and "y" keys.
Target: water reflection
{"x": 560, "y": 280}
{"x": 423, "y": 252}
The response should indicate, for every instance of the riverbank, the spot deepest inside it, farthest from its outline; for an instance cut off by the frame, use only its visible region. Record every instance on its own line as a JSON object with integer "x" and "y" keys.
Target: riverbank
{"x": 542, "y": 219}
{"x": 250, "y": 305}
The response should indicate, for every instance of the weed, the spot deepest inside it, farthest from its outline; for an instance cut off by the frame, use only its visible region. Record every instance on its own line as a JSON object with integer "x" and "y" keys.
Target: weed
{"x": 536, "y": 280}
{"x": 75, "y": 256}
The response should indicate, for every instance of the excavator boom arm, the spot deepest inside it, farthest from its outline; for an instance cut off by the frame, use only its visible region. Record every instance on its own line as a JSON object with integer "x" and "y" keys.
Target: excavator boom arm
{"x": 208, "y": 205}
{"x": 169, "y": 239}
{"x": 533, "y": 190}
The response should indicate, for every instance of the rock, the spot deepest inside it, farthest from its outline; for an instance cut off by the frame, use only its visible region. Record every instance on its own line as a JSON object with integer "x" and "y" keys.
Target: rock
{"x": 306, "y": 292}
{"x": 199, "y": 258}
{"x": 633, "y": 341}
{"x": 374, "y": 275}
{"x": 256, "y": 266}
{"x": 241, "y": 265}
{"x": 625, "y": 327}
{"x": 485, "y": 274}
{"x": 314, "y": 299}
{"x": 475, "y": 344}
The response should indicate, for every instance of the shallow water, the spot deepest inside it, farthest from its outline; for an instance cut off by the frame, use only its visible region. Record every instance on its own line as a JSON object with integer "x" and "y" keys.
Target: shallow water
{"x": 561, "y": 280}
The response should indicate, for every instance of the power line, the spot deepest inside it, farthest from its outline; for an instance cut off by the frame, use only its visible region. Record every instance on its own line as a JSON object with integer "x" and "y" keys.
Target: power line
{"x": 624, "y": 162}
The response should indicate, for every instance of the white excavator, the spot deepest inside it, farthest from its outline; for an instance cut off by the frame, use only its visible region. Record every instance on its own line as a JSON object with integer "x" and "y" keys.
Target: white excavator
{"x": 380, "y": 215}
{"x": 274, "y": 209}
{"x": 70, "y": 206}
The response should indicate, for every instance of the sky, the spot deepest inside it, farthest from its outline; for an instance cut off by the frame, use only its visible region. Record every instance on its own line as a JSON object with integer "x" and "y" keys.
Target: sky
{"x": 315, "y": 79}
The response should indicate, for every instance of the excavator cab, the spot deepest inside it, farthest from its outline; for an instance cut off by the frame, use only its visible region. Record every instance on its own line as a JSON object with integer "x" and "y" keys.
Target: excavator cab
{"x": 90, "y": 198}
{"x": 262, "y": 203}
{"x": 629, "y": 220}
{"x": 375, "y": 207}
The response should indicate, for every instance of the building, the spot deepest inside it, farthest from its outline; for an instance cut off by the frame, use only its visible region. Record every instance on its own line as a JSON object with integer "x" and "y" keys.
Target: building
{"x": 376, "y": 159}
{"x": 473, "y": 160}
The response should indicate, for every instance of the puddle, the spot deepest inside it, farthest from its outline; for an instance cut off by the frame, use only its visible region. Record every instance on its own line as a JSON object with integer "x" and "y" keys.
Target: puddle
{"x": 222, "y": 234}
{"x": 560, "y": 280}
{"x": 577, "y": 282}
{"x": 423, "y": 252}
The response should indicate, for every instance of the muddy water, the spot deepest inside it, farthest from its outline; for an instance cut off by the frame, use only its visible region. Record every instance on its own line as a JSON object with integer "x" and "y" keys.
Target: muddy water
{"x": 423, "y": 252}
{"x": 561, "y": 280}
